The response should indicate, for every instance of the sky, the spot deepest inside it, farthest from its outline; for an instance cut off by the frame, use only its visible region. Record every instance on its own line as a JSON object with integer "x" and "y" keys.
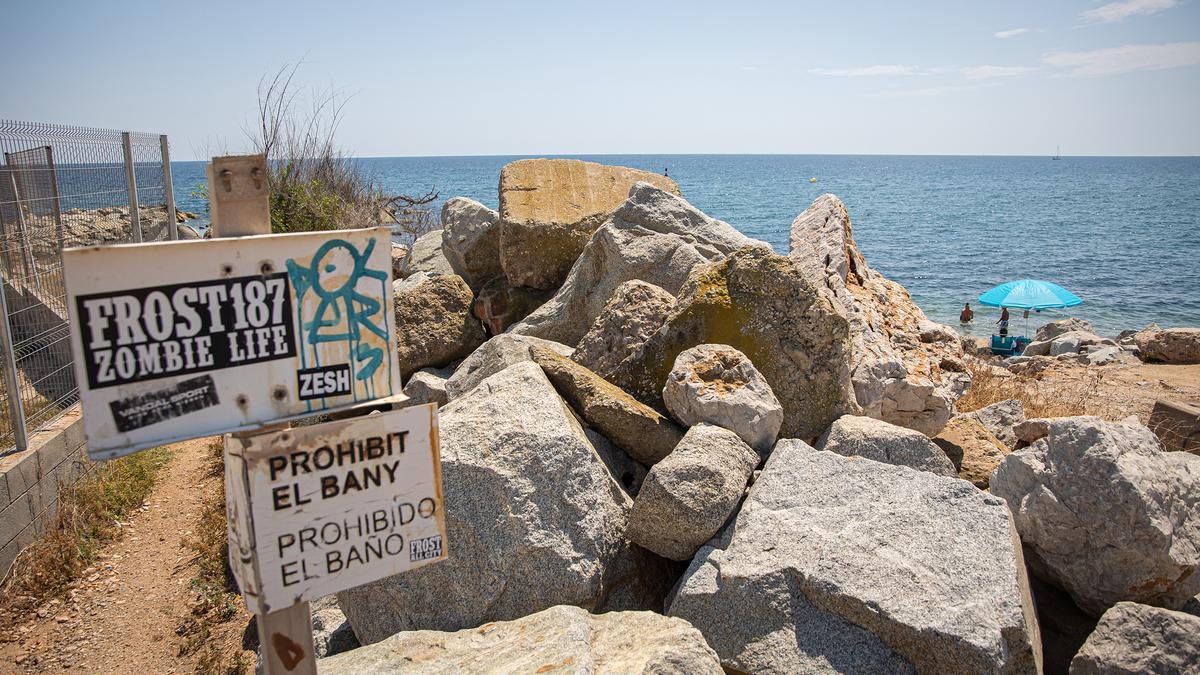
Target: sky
{"x": 499, "y": 78}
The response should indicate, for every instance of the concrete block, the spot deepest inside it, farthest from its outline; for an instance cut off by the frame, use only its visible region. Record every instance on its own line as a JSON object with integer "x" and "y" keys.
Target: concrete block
{"x": 1177, "y": 425}
{"x": 74, "y": 432}
{"x": 22, "y": 471}
{"x": 51, "y": 448}
{"x": 8, "y": 553}
{"x": 15, "y": 517}
{"x": 5, "y": 500}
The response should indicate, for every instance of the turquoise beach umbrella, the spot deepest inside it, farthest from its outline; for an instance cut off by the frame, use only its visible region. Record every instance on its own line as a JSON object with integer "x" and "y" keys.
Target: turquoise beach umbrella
{"x": 1030, "y": 294}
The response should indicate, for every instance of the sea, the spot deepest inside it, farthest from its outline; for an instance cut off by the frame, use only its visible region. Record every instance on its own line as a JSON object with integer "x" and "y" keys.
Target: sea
{"x": 1122, "y": 233}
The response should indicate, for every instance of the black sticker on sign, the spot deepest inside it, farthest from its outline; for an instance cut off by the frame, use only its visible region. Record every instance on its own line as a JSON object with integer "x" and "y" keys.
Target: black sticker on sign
{"x": 184, "y": 397}
{"x": 324, "y": 381}
{"x": 163, "y": 331}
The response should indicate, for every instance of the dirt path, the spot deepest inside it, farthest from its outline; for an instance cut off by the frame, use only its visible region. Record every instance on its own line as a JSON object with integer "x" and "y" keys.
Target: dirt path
{"x": 123, "y": 613}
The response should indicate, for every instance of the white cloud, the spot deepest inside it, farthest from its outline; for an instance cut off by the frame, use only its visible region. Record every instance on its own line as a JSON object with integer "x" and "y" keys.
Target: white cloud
{"x": 1004, "y": 34}
{"x": 865, "y": 71}
{"x": 1123, "y": 9}
{"x": 1127, "y": 58}
{"x": 988, "y": 72}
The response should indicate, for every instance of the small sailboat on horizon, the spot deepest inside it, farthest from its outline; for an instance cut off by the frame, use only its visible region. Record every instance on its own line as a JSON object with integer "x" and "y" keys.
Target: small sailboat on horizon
{"x": 1057, "y": 153}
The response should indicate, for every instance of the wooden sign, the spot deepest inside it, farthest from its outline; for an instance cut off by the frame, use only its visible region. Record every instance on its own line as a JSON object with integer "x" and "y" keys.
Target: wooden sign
{"x": 318, "y": 509}
{"x": 177, "y": 340}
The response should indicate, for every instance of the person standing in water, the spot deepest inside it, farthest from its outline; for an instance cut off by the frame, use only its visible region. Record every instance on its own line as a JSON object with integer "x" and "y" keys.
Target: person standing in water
{"x": 1003, "y": 322}
{"x": 967, "y": 315}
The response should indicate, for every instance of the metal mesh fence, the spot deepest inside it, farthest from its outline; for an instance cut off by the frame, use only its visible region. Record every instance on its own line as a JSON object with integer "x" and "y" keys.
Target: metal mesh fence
{"x": 62, "y": 187}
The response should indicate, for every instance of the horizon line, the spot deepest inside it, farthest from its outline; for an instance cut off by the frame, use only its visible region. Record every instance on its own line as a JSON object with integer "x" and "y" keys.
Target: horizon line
{"x": 746, "y": 154}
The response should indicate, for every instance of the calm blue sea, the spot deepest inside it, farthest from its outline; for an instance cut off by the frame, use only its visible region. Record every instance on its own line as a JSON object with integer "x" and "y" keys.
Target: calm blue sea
{"x": 1123, "y": 233}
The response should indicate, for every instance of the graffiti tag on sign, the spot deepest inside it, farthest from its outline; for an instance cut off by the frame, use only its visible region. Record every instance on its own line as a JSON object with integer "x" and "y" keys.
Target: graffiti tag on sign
{"x": 175, "y": 340}
{"x": 319, "y": 509}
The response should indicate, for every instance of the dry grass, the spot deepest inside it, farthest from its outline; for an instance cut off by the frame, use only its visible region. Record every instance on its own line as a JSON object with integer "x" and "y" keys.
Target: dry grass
{"x": 1040, "y": 397}
{"x": 217, "y": 601}
{"x": 89, "y": 515}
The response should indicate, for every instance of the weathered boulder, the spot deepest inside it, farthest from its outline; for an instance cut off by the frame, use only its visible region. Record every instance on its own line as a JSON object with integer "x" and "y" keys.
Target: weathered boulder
{"x": 1107, "y": 514}
{"x": 635, "y": 311}
{"x": 561, "y": 639}
{"x": 690, "y": 494}
{"x": 1177, "y": 425}
{"x": 425, "y": 255}
{"x": 634, "y": 427}
{"x": 434, "y": 325}
{"x": 492, "y": 357}
{"x": 897, "y": 376}
{"x": 399, "y": 261}
{"x": 1001, "y": 420}
{"x": 427, "y": 385}
{"x": 550, "y": 208}
{"x": 471, "y": 240}
{"x": 499, "y": 305}
{"x": 1031, "y": 430}
{"x": 756, "y": 302}
{"x": 654, "y": 236}
{"x": 524, "y": 538}
{"x": 1133, "y": 638}
{"x": 717, "y": 384}
{"x": 627, "y": 472}
{"x": 1047, "y": 332}
{"x": 332, "y": 634}
{"x": 850, "y": 565}
{"x": 860, "y": 436}
{"x": 1173, "y": 345}
{"x": 973, "y": 449}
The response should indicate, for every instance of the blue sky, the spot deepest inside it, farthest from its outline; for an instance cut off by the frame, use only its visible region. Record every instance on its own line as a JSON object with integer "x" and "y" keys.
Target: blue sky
{"x": 463, "y": 78}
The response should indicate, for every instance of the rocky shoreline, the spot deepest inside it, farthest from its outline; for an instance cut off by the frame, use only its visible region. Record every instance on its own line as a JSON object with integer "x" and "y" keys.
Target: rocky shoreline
{"x": 666, "y": 448}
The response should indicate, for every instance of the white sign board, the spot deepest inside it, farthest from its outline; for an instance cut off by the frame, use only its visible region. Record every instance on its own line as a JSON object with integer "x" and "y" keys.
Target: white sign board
{"x": 319, "y": 509}
{"x": 177, "y": 340}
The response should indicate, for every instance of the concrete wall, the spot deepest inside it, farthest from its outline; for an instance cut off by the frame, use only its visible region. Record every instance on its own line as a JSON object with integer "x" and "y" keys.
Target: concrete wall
{"x": 30, "y": 482}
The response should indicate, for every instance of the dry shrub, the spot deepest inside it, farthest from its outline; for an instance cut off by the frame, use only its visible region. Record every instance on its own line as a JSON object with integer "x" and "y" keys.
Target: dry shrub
{"x": 1040, "y": 398}
{"x": 89, "y": 515}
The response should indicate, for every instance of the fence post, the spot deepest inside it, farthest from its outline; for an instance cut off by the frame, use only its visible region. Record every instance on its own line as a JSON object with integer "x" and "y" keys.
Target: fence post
{"x": 239, "y": 203}
{"x": 16, "y": 407}
{"x": 58, "y": 226}
{"x": 172, "y": 225}
{"x": 135, "y": 216}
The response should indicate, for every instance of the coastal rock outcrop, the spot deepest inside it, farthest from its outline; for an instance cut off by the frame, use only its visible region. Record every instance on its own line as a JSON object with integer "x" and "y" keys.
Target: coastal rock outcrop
{"x": 897, "y": 376}
{"x": 471, "y": 240}
{"x": 717, "y": 384}
{"x": 973, "y": 449}
{"x": 550, "y": 208}
{"x": 690, "y": 494}
{"x": 558, "y": 639}
{"x": 850, "y": 565}
{"x": 425, "y": 255}
{"x": 524, "y": 537}
{"x": 1107, "y": 514}
{"x": 636, "y": 428}
{"x": 1001, "y": 420}
{"x": 654, "y": 236}
{"x": 434, "y": 326}
{"x": 635, "y": 311}
{"x": 1172, "y": 345}
{"x": 1133, "y": 638}
{"x": 860, "y": 436}
{"x": 493, "y": 356}
{"x": 756, "y": 302}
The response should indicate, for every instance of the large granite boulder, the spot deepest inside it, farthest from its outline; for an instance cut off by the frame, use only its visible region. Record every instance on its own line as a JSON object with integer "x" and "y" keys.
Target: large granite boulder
{"x": 471, "y": 240}
{"x": 717, "y": 384}
{"x": 861, "y": 436}
{"x": 434, "y": 325}
{"x": 841, "y": 564}
{"x": 636, "y": 310}
{"x": 561, "y": 639}
{"x": 1133, "y": 638}
{"x": 1001, "y": 419}
{"x": 493, "y": 356}
{"x": 399, "y": 261}
{"x": 897, "y": 376}
{"x": 636, "y": 428}
{"x": 1107, "y": 515}
{"x": 756, "y": 302}
{"x": 973, "y": 449}
{"x": 690, "y": 494}
{"x": 550, "y": 208}
{"x": 425, "y": 255}
{"x": 1048, "y": 331}
{"x": 523, "y": 536}
{"x": 655, "y": 236}
{"x": 427, "y": 385}
{"x": 1172, "y": 345}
